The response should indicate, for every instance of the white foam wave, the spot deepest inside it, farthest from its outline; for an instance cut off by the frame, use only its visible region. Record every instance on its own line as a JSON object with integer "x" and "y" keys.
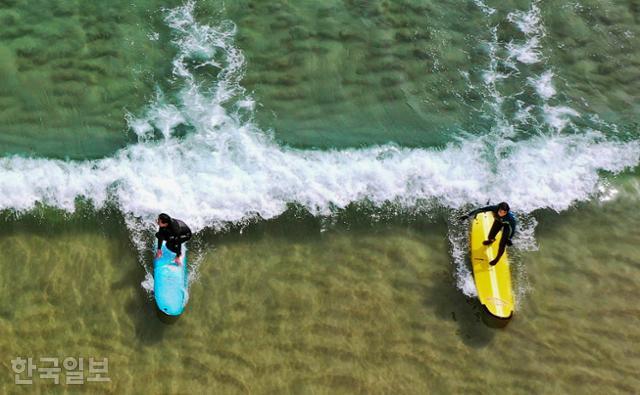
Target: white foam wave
{"x": 528, "y": 53}
{"x": 226, "y": 169}
{"x": 484, "y": 7}
{"x": 529, "y": 23}
{"x": 458, "y": 234}
{"x": 240, "y": 172}
{"x": 558, "y": 117}
{"x": 544, "y": 85}
{"x": 148, "y": 284}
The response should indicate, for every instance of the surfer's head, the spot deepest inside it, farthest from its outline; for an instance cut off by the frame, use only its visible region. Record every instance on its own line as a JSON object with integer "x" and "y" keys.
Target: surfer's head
{"x": 503, "y": 209}
{"x": 163, "y": 220}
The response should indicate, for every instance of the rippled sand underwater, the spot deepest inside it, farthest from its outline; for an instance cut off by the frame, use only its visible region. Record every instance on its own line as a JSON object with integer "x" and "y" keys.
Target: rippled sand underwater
{"x": 286, "y": 307}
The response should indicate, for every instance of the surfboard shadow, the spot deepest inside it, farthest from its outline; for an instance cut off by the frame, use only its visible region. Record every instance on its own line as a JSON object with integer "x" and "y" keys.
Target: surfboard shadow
{"x": 141, "y": 307}
{"x": 149, "y": 329}
{"x": 449, "y": 303}
{"x": 164, "y": 318}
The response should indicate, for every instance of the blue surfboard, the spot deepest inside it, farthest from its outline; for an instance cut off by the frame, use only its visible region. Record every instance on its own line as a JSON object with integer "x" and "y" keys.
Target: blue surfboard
{"x": 170, "y": 282}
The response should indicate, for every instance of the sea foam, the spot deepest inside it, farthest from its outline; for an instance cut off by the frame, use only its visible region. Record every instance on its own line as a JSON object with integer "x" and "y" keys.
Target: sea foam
{"x": 227, "y": 169}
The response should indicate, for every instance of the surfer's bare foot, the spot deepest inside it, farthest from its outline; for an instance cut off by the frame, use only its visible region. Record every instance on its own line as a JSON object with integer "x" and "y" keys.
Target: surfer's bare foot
{"x": 488, "y": 242}
{"x": 178, "y": 261}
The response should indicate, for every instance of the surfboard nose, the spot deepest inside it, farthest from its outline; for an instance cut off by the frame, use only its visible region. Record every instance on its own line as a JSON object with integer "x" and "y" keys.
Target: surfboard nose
{"x": 171, "y": 303}
{"x": 171, "y": 311}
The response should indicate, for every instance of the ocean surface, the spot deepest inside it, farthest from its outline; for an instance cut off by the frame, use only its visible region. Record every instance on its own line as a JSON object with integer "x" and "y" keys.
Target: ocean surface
{"x": 322, "y": 152}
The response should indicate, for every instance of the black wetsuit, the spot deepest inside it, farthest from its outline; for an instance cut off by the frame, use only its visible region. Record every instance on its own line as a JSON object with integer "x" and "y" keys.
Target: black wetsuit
{"x": 175, "y": 234}
{"x": 507, "y": 224}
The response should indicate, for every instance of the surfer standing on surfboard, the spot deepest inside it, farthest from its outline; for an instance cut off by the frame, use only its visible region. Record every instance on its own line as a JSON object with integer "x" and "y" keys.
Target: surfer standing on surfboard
{"x": 503, "y": 220}
{"x": 174, "y": 232}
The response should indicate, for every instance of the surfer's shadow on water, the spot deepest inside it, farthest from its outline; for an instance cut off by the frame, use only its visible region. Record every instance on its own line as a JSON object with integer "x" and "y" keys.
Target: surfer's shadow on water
{"x": 451, "y": 305}
{"x": 448, "y": 297}
{"x": 140, "y": 307}
{"x": 149, "y": 326}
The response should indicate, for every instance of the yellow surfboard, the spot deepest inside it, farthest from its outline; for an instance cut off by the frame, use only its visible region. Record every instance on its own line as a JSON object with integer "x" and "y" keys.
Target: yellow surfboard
{"x": 492, "y": 282}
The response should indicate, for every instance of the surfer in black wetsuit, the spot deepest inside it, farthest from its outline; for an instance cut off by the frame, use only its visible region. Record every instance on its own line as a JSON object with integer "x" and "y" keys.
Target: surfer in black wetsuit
{"x": 503, "y": 220}
{"x": 174, "y": 232}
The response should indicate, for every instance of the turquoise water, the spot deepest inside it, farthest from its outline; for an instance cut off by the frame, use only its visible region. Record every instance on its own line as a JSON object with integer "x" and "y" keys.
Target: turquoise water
{"x": 322, "y": 153}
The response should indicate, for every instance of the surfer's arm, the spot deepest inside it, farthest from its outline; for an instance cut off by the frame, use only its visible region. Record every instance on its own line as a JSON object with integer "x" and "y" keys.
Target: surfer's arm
{"x": 160, "y": 238}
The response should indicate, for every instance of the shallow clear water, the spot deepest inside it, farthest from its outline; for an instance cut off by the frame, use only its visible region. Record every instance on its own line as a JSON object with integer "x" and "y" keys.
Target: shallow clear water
{"x": 285, "y": 307}
{"x": 322, "y": 152}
